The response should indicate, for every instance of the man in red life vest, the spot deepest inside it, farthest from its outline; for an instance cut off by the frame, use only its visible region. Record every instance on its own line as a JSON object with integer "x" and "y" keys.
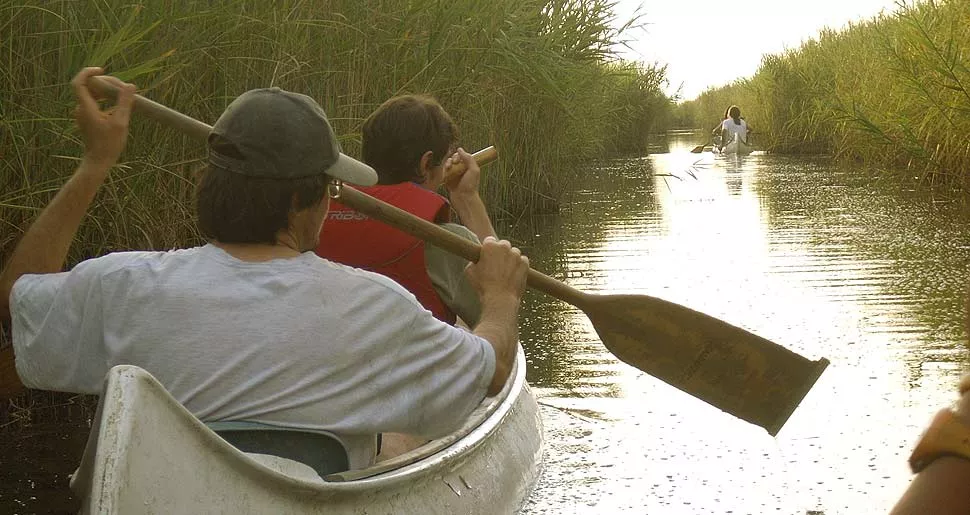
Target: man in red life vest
{"x": 410, "y": 141}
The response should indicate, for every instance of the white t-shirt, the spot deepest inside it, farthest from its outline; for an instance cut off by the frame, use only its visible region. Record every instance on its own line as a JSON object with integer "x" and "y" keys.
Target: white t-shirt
{"x": 300, "y": 342}
{"x": 735, "y": 130}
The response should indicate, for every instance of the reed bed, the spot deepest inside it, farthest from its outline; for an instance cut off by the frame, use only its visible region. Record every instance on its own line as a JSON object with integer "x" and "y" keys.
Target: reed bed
{"x": 892, "y": 92}
{"x": 538, "y": 79}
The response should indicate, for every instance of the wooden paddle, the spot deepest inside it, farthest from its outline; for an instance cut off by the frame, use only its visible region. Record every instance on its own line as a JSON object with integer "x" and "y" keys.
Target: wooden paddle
{"x": 734, "y": 370}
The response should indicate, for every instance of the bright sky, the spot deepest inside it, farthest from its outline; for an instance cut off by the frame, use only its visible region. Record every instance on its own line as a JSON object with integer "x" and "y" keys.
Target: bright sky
{"x": 709, "y": 43}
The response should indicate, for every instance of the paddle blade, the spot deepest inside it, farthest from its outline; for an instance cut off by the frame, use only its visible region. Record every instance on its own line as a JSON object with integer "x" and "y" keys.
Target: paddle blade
{"x": 698, "y": 149}
{"x": 732, "y": 369}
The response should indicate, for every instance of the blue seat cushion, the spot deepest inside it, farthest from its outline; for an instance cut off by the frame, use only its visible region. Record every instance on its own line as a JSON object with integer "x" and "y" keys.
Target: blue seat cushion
{"x": 319, "y": 450}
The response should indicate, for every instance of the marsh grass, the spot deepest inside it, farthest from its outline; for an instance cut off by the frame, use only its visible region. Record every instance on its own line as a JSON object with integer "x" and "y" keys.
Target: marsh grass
{"x": 538, "y": 79}
{"x": 891, "y": 92}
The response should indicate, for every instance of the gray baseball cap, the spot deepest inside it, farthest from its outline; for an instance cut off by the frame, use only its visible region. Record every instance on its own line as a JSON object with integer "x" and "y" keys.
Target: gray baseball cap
{"x": 283, "y": 135}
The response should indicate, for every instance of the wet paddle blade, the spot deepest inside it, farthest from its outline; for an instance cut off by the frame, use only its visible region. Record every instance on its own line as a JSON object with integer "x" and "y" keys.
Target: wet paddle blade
{"x": 728, "y": 367}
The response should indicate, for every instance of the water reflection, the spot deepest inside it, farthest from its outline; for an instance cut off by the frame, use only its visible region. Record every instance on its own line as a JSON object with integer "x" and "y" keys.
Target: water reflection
{"x": 824, "y": 261}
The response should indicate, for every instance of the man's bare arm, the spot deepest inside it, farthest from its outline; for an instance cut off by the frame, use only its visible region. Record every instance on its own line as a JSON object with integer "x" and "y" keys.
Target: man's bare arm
{"x": 465, "y": 199}
{"x": 472, "y": 213}
{"x": 44, "y": 247}
{"x": 499, "y": 326}
{"x": 499, "y": 276}
{"x": 941, "y": 488}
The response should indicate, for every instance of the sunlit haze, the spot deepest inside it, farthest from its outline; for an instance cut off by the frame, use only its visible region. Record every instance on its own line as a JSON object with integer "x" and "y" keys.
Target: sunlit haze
{"x": 709, "y": 43}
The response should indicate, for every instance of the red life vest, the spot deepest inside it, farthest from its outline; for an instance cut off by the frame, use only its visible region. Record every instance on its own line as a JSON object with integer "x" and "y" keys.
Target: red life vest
{"x": 356, "y": 240}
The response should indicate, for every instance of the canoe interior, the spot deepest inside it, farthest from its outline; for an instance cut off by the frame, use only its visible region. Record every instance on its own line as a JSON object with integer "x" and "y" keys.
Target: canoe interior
{"x": 148, "y": 454}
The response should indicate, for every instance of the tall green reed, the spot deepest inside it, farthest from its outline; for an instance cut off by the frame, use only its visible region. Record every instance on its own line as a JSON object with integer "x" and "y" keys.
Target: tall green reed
{"x": 536, "y": 78}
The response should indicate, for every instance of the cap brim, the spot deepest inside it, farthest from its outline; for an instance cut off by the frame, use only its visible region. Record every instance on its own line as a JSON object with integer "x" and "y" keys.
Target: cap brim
{"x": 350, "y": 170}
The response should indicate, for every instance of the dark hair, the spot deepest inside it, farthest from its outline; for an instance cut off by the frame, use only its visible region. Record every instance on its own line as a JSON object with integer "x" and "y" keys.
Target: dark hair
{"x": 234, "y": 208}
{"x": 735, "y": 113}
{"x": 400, "y": 131}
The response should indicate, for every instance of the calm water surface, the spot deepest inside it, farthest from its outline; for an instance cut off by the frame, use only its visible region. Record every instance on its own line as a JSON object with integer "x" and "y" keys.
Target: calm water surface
{"x": 822, "y": 260}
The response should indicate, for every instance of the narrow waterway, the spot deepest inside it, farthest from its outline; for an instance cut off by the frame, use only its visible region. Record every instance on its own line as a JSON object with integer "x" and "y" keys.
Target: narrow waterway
{"x": 824, "y": 260}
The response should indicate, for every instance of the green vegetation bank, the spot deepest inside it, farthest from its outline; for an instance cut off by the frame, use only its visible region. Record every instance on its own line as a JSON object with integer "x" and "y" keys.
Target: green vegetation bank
{"x": 892, "y": 92}
{"x": 538, "y": 79}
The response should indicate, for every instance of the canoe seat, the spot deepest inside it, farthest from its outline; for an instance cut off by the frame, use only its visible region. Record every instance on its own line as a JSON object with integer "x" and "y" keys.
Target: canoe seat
{"x": 319, "y": 450}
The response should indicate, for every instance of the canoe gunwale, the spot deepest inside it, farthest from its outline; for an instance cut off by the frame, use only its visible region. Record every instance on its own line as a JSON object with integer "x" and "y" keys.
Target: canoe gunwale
{"x": 480, "y": 421}
{"x": 735, "y": 147}
{"x": 427, "y": 459}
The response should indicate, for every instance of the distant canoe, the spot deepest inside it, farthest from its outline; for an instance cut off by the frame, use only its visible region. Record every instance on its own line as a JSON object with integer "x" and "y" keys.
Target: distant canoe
{"x": 148, "y": 454}
{"x": 736, "y": 147}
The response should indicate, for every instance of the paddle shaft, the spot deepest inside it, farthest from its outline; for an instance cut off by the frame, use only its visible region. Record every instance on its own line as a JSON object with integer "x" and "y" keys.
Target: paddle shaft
{"x": 200, "y": 131}
{"x": 361, "y": 202}
{"x": 739, "y": 372}
{"x": 427, "y": 231}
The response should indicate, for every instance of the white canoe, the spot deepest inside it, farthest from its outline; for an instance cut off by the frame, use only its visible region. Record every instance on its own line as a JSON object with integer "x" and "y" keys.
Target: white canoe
{"x": 148, "y": 454}
{"x": 736, "y": 147}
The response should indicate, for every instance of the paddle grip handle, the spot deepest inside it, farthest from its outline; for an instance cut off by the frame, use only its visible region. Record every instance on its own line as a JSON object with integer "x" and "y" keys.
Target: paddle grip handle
{"x": 482, "y": 157}
{"x": 151, "y": 109}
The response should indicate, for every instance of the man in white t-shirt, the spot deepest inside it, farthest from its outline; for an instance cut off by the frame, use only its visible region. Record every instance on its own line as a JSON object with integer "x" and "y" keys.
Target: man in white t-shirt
{"x": 254, "y": 326}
